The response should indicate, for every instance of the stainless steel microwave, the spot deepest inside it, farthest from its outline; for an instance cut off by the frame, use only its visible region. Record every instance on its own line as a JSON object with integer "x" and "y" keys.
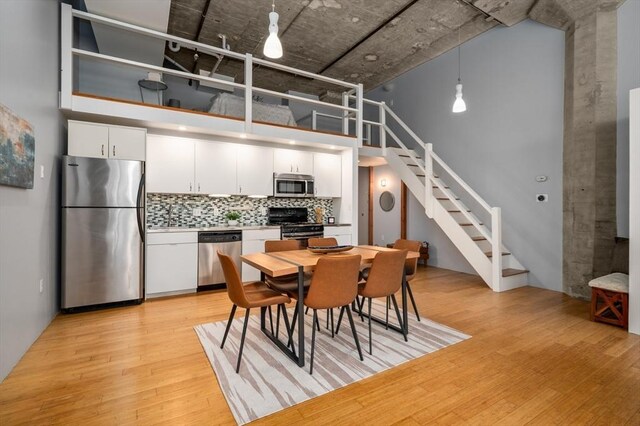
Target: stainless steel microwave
{"x": 292, "y": 185}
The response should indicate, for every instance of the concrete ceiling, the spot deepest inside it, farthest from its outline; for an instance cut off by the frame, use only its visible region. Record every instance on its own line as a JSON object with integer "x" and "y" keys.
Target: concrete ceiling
{"x": 362, "y": 41}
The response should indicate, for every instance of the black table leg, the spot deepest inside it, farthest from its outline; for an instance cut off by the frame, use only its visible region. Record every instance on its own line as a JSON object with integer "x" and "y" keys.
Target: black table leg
{"x": 301, "y": 353}
{"x": 405, "y": 315}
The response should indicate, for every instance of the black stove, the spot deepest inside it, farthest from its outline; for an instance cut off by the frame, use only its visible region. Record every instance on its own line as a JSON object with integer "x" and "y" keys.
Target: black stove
{"x": 294, "y": 224}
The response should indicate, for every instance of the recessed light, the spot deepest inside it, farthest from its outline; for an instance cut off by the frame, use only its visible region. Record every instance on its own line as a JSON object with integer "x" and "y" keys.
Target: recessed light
{"x": 220, "y": 195}
{"x": 332, "y": 147}
{"x": 256, "y": 196}
{"x": 182, "y": 128}
{"x": 292, "y": 142}
{"x": 243, "y": 135}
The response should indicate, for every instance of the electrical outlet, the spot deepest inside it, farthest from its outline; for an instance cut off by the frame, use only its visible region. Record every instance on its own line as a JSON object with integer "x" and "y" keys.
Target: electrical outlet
{"x": 41, "y": 171}
{"x": 216, "y": 211}
{"x": 542, "y": 198}
{"x": 382, "y": 237}
{"x": 41, "y": 285}
{"x": 197, "y": 211}
{"x": 263, "y": 211}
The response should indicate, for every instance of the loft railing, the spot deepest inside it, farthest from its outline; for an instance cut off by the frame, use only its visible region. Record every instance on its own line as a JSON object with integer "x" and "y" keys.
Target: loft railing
{"x": 68, "y": 52}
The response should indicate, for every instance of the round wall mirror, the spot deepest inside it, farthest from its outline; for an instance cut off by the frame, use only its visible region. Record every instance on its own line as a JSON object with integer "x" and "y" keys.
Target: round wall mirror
{"x": 387, "y": 201}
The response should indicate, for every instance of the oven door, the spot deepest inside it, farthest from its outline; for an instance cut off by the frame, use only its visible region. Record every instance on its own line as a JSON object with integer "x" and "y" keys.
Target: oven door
{"x": 290, "y": 188}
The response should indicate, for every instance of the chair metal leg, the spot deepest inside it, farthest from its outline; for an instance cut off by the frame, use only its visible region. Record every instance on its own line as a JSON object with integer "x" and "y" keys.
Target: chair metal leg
{"x": 386, "y": 322}
{"x": 332, "y": 328}
{"x": 306, "y": 311}
{"x": 360, "y": 307}
{"x": 395, "y": 305}
{"x": 244, "y": 333}
{"x": 413, "y": 301}
{"x": 353, "y": 331}
{"x": 271, "y": 321}
{"x": 327, "y": 326}
{"x": 226, "y": 330}
{"x": 313, "y": 340}
{"x": 278, "y": 319}
{"x": 293, "y": 324}
{"x": 316, "y": 322}
{"x": 340, "y": 319}
{"x": 288, "y": 327}
{"x": 370, "y": 343}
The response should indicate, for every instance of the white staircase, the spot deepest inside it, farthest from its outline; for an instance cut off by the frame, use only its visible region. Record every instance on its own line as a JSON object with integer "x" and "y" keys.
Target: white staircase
{"x": 429, "y": 181}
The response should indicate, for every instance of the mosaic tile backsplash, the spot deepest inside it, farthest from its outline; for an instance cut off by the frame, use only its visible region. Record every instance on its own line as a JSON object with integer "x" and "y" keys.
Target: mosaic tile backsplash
{"x": 253, "y": 211}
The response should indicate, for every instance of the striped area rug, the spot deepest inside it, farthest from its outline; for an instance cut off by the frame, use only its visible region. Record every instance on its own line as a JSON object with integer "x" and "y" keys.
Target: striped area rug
{"x": 269, "y": 381}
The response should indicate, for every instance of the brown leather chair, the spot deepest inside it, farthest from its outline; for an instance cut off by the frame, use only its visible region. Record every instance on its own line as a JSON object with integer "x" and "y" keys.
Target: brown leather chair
{"x": 410, "y": 267}
{"x": 322, "y": 242}
{"x": 258, "y": 298}
{"x": 334, "y": 285}
{"x": 385, "y": 279}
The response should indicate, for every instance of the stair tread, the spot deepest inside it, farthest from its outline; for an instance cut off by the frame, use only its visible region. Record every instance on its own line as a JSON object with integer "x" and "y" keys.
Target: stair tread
{"x": 508, "y": 272}
{"x": 407, "y": 156}
{"x": 469, "y": 224}
{"x": 480, "y": 238}
{"x": 458, "y": 211}
{"x": 445, "y": 187}
{"x": 445, "y": 198}
{"x": 490, "y": 254}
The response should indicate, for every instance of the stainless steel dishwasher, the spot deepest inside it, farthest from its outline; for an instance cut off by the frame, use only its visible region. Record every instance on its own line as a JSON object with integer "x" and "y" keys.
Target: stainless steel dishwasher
{"x": 210, "y": 274}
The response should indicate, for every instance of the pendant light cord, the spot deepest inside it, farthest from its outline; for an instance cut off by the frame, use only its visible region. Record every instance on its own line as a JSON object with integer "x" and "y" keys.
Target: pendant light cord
{"x": 459, "y": 80}
{"x": 273, "y": 6}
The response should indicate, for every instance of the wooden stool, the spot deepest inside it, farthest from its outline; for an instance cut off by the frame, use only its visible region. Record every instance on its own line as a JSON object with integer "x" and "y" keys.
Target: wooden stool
{"x": 610, "y": 299}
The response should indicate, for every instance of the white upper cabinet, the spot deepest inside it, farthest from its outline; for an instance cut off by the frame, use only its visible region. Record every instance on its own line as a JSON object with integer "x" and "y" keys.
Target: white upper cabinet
{"x": 292, "y": 161}
{"x": 216, "y": 167}
{"x": 106, "y": 141}
{"x": 255, "y": 170}
{"x": 327, "y": 170}
{"x": 170, "y": 165}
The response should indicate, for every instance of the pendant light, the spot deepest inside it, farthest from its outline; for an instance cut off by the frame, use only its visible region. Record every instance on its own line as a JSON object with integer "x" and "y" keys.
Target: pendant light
{"x": 273, "y": 47}
{"x": 459, "y": 105}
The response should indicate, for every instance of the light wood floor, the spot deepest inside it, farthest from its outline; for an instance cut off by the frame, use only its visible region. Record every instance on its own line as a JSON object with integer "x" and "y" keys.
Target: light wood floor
{"x": 534, "y": 358}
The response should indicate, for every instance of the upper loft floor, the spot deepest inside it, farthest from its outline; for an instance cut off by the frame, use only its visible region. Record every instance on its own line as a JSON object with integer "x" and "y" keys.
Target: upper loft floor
{"x": 110, "y": 73}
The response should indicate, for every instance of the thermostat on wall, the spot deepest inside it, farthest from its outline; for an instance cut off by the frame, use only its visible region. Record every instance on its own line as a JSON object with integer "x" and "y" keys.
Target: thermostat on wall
{"x": 541, "y": 178}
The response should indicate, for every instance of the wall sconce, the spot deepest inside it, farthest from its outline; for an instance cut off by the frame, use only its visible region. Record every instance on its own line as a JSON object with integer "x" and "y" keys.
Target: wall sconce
{"x": 383, "y": 182}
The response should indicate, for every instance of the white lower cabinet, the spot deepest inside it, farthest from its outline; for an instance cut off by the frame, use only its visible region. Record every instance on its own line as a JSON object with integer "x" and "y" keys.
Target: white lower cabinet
{"x": 172, "y": 263}
{"x": 253, "y": 242}
{"x": 341, "y": 233}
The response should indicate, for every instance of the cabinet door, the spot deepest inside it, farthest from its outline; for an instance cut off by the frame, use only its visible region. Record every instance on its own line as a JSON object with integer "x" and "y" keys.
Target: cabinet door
{"x": 170, "y": 165}
{"x": 255, "y": 170}
{"x": 126, "y": 143}
{"x": 283, "y": 160}
{"x": 303, "y": 163}
{"x": 171, "y": 267}
{"x": 249, "y": 273}
{"x": 216, "y": 167}
{"x": 327, "y": 169}
{"x": 88, "y": 140}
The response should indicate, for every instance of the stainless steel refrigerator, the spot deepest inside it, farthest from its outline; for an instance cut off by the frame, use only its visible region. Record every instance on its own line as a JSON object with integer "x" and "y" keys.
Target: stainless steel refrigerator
{"x": 102, "y": 231}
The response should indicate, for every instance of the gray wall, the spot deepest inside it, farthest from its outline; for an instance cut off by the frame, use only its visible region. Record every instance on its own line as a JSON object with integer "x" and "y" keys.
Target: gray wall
{"x": 628, "y": 78}
{"x": 29, "y": 73}
{"x": 386, "y": 225}
{"x": 511, "y": 132}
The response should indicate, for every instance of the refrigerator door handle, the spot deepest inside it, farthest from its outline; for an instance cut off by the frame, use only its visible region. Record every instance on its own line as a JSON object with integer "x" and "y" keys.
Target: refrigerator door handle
{"x": 139, "y": 208}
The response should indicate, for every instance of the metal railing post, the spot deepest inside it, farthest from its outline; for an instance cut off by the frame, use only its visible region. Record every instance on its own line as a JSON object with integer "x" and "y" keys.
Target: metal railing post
{"x": 248, "y": 93}
{"x": 66, "y": 57}
{"x": 496, "y": 248}
{"x": 359, "y": 113}
{"x": 428, "y": 186}
{"x": 345, "y": 114}
{"x": 383, "y": 128}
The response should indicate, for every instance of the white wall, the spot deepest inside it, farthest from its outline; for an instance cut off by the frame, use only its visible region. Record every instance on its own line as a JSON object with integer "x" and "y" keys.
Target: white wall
{"x": 628, "y": 78}
{"x": 512, "y": 131}
{"x": 386, "y": 225}
{"x": 29, "y": 73}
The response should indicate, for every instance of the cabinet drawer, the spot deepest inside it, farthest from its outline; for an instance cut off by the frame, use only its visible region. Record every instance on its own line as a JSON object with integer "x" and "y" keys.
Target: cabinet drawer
{"x": 172, "y": 238}
{"x": 332, "y": 231}
{"x": 261, "y": 234}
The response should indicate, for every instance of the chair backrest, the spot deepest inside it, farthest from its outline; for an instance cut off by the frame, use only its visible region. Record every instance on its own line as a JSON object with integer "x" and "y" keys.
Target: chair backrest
{"x": 385, "y": 277}
{"x": 334, "y": 282}
{"x": 235, "y": 289}
{"x": 322, "y": 242}
{"x": 281, "y": 245}
{"x": 410, "y": 264}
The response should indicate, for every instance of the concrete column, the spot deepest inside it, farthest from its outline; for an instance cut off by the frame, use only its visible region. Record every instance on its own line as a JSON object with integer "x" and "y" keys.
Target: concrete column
{"x": 589, "y": 155}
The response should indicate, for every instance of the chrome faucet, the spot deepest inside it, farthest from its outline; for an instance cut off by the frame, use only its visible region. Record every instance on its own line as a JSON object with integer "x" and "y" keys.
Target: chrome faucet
{"x": 170, "y": 215}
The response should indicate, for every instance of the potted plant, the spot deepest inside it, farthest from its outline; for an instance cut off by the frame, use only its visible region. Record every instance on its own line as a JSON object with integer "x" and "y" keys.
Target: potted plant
{"x": 232, "y": 218}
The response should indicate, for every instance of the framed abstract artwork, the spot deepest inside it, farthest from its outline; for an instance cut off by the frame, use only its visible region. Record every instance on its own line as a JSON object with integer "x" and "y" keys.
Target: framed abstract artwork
{"x": 17, "y": 150}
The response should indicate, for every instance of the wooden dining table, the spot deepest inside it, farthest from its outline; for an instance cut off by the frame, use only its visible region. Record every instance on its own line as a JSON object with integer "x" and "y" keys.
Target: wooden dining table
{"x": 278, "y": 264}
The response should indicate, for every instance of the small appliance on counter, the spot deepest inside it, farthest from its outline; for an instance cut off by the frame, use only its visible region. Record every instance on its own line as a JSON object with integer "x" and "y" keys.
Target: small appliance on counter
{"x": 102, "y": 231}
{"x": 294, "y": 224}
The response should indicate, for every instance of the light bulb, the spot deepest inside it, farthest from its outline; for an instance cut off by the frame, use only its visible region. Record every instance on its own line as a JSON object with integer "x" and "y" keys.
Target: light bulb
{"x": 273, "y": 47}
{"x": 459, "y": 105}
